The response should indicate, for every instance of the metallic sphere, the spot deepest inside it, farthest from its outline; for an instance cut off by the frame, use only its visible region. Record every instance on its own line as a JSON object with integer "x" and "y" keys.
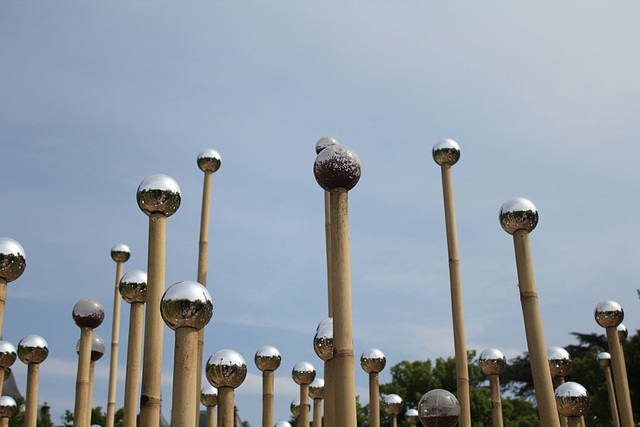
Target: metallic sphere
{"x": 325, "y": 142}
{"x": 323, "y": 341}
{"x": 518, "y": 214}
{"x": 8, "y": 407}
{"x": 88, "y": 313}
{"x": 316, "y": 389}
{"x": 97, "y": 347}
{"x": 439, "y": 408}
{"x": 327, "y": 321}
{"x": 608, "y": 314}
{"x": 283, "y": 423}
{"x": 373, "y": 360}
{"x": 446, "y": 151}
{"x": 209, "y": 395}
{"x": 186, "y": 304}
{"x": 572, "y": 399}
{"x": 412, "y": 416}
{"x": 337, "y": 166}
{"x": 303, "y": 373}
{"x": 7, "y": 374}
{"x": 604, "y": 359}
{"x": 159, "y": 194}
{"x": 268, "y": 358}
{"x": 133, "y": 286}
{"x": 226, "y": 368}
{"x": 622, "y": 332}
{"x": 120, "y": 252}
{"x": 209, "y": 160}
{"x": 32, "y": 349}
{"x": 8, "y": 354}
{"x": 392, "y": 404}
{"x": 559, "y": 361}
{"x": 295, "y": 407}
{"x": 492, "y": 361}
{"x": 13, "y": 260}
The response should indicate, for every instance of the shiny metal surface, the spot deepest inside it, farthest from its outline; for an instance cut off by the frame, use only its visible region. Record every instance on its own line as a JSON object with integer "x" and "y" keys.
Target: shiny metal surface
{"x": 572, "y": 399}
{"x": 392, "y": 404}
{"x": 327, "y": 321}
{"x": 325, "y": 142}
{"x": 209, "y": 395}
{"x": 33, "y": 349}
{"x": 13, "y": 259}
{"x": 412, "y": 416}
{"x": 439, "y": 408}
{"x": 492, "y": 361}
{"x": 608, "y": 314}
{"x": 323, "y": 342}
{"x": 159, "y": 194}
{"x": 295, "y": 407}
{"x": 316, "y": 389}
{"x": 604, "y": 359}
{"x": 446, "y": 151}
{"x": 267, "y": 358}
{"x": 303, "y": 373}
{"x": 186, "y": 304}
{"x": 559, "y": 361}
{"x": 283, "y": 423}
{"x": 120, "y": 252}
{"x": 8, "y": 354}
{"x": 8, "y": 407}
{"x": 518, "y": 214}
{"x": 622, "y": 332}
{"x": 97, "y": 347}
{"x": 226, "y": 368}
{"x": 88, "y": 313}
{"x": 133, "y": 286}
{"x": 209, "y": 160}
{"x": 373, "y": 360}
{"x": 337, "y": 166}
{"x": 7, "y": 374}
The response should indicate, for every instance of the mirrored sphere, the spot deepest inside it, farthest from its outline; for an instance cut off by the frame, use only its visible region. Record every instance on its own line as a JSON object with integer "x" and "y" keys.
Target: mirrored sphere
{"x": 283, "y": 423}
{"x": 325, "y": 142}
{"x": 226, "y": 368}
{"x": 392, "y": 404}
{"x": 186, "y": 304}
{"x": 97, "y": 347}
{"x": 316, "y": 389}
{"x": 439, "y": 408}
{"x": 295, "y": 407}
{"x": 622, "y": 332}
{"x": 492, "y": 361}
{"x": 159, "y": 194}
{"x": 572, "y": 399}
{"x": 13, "y": 259}
{"x": 337, "y": 166}
{"x": 323, "y": 342}
{"x": 559, "y": 361}
{"x": 8, "y": 407}
{"x": 120, "y": 252}
{"x": 327, "y": 321}
{"x": 446, "y": 151}
{"x": 209, "y": 160}
{"x": 7, "y": 373}
{"x": 268, "y": 358}
{"x": 303, "y": 373}
{"x": 133, "y": 286}
{"x": 33, "y": 349}
{"x": 518, "y": 214}
{"x": 88, "y": 313}
{"x": 8, "y": 354}
{"x": 209, "y": 395}
{"x": 608, "y": 314}
{"x": 604, "y": 359}
{"x": 373, "y": 360}
{"x": 412, "y": 416}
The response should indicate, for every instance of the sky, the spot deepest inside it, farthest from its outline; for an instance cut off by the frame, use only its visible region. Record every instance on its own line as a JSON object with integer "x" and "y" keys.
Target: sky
{"x": 542, "y": 97}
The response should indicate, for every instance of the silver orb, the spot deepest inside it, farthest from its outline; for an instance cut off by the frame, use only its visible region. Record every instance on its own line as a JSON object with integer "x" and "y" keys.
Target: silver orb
{"x": 295, "y": 407}
{"x": 327, "y": 321}
{"x": 446, "y": 151}
{"x": 209, "y": 160}
{"x": 88, "y": 313}
{"x": 622, "y": 332}
{"x": 33, "y": 349}
{"x": 133, "y": 286}
{"x": 186, "y": 304}
{"x": 7, "y": 374}
{"x": 439, "y": 408}
{"x": 97, "y": 347}
{"x": 337, "y": 166}
{"x": 120, "y": 252}
{"x": 316, "y": 389}
{"x": 608, "y": 314}
{"x": 559, "y": 361}
{"x": 303, "y": 373}
{"x": 392, "y": 404}
{"x": 325, "y": 142}
{"x": 412, "y": 416}
{"x": 8, "y": 407}
{"x": 373, "y": 360}
{"x": 268, "y": 358}
{"x": 159, "y": 194}
{"x": 226, "y": 368}
{"x": 13, "y": 260}
{"x": 492, "y": 361}
{"x": 283, "y": 423}
{"x": 8, "y": 354}
{"x": 518, "y": 214}
{"x": 209, "y": 395}
{"x": 572, "y": 399}
{"x": 323, "y": 341}
{"x": 604, "y": 359}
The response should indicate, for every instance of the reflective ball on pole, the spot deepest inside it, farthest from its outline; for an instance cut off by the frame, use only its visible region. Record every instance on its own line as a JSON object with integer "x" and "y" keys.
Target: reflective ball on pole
{"x": 392, "y": 404}
{"x": 209, "y": 395}
{"x": 226, "y": 368}
{"x": 88, "y": 313}
{"x": 186, "y": 304}
{"x": 492, "y": 361}
{"x": 13, "y": 260}
{"x": 439, "y": 408}
{"x": 373, "y": 360}
{"x": 8, "y": 354}
{"x": 209, "y": 160}
{"x": 518, "y": 214}
{"x": 316, "y": 389}
{"x": 120, "y": 252}
{"x": 572, "y": 399}
{"x": 133, "y": 286}
{"x": 33, "y": 349}
{"x": 268, "y": 358}
{"x": 608, "y": 314}
{"x": 337, "y": 166}
{"x": 325, "y": 142}
{"x": 446, "y": 151}
{"x": 159, "y": 194}
{"x": 303, "y": 373}
{"x": 559, "y": 361}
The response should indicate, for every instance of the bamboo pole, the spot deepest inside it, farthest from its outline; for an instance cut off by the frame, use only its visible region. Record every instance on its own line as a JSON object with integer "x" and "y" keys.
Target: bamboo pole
{"x": 3, "y": 301}
{"x": 134, "y": 355}
{"x": 92, "y": 374}
{"x": 496, "y": 400}
{"x": 225, "y": 406}
{"x": 31, "y": 401}
{"x": 267, "y": 398}
{"x": 184, "y": 377}
{"x": 80, "y": 415}
{"x": 12, "y": 264}
{"x": 374, "y": 399}
{"x": 558, "y": 381}
{"x": 620, "y": 377}
{"x": 604, "y": 359}
{"x": 317, "y": 412}
{"x": 305, "y": 408}
{"x": 211, "y": 416}
{"x": 209, "y": 398}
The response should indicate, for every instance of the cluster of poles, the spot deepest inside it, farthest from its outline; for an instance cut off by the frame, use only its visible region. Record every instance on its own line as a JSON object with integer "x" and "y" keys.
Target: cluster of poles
{"x": 186, "y": 308}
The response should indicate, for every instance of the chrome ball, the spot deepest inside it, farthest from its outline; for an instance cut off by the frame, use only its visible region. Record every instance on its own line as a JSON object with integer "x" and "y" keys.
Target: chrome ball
{"x": 268, "y": 358}
{"x": 608, "y": 314}
{"x": 604, "y": 359}
{"x": 97, "y": 347}
{"x": 32, "y": 349}
{"x": 226, "y": 368}
{"x": 323, "y": 341}
{"x": 446, "y": 151}
{"x": 373, "y": 360}
{"x": 392, "y": 404}
{"x": 559, "y": 361}
{"x": 88, "y": 313}
{"x": 13, "y": 260}
{"x": 159, "y": 194}
{"x": 412, "y": 416}
{"x": 209, "y": 160}
{"x": 572, "y": 399}
{"x": 209, "y": 395}
{"x": 120, "y": 252}
{"x": 316, "y": 389}
{"x": 8, "y": 407}
{"x": 327, "y": 321}
{"x": 518, "y": 214}
{"x": 325, "y": 142}
{"x": 133, "y": 286}
{"x": 337, "y": 166}
{"x": 303, "y": 373}
{"x": 622, "y": 332}
{"x": 439, "y": 408}
{"x": 186, "y": 304}
{"x": 8, "y": 354}
{"x": 295, "y": 407}
{"x": 492, "y": 361}
{"x": 283, "y": 423}
{"x": 7, "y": 374}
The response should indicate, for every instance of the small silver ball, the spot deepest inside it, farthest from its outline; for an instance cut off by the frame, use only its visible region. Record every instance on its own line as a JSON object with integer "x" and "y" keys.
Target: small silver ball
{"x": 446, "y": 151}
{"x": 337, "y": 166}
{"x": 303, "y": 373}
{"x": 439, "y": 408}
{"x": 8, "y": 407}
{"x": 8, "y": 354}
{"x": 325, "y": 142}
{"x": 622, "y": 332}
{"x": 159, "y": 194}
{"x": 186, "y": 304}
{"x": 412, "y": 416}
{"x": 13, "y": 260}
{"x": 316, "y": 389}
{"x": 209, "y": 395}
{"x": 392, "y": 404}
{"x": 226, "y": 368}
{"x": 373, "y": 360}
{"x": 295, "y": 407}
{"x": 518, "y": 214}
{"x": 268, "y": 358}
{"x": 608, "y": 314}
{"x": 133, "y": 286}
{"x": 120, "y": 252}
{"x": 97, "y": 347}
{"x": 323, "y": 341}
{"x": 209, "y": 160}
{"x": 559, "y": 361}
{"x": 88, "y": 313}
{"x": 492, "y": 361}
{"x": 32, "y": 349}
{"x": 604, "y": 359}
{"x": 572, "y": 399}
{"x": 327, "y": 321}
{"x": 283, "y": 423}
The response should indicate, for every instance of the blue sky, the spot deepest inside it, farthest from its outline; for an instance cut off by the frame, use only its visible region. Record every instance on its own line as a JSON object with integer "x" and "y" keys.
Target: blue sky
{"x": 96, "y": 96}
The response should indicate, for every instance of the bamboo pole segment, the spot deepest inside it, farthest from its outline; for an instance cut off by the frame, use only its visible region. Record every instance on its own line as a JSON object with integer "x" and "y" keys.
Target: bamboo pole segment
{"x": 209, "y": 398}
{"x": 559, "y": 367}
{"x": 316, "y": 392}
{"x": 373, "y": 362}
{"x": 226, "y": 370}
{"x": 446, "y": 153}
{"x": 13, "y": 262}
{"x": 604, "y": 359}
{"x": 323, "y": 346}
{"x": 267, "y": 359}
{"x": 492, "y": 362}
{"x": 303, "y": 374}
{"x": 573, "y": 402}
{"x": 97, "y": 351}
{"x": 8, "y": 407}
{"x": 32, "y": 351}
{"x": 412, "y": 417}
{"x": 226, "y": 397}
{"x": 8, "y": 356}
{"x": 393, "y": 406}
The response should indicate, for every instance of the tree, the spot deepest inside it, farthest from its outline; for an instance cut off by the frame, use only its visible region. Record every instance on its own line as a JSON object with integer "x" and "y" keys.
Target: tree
{"x": 97, "y": 417}
{"x": 17, "y": 420}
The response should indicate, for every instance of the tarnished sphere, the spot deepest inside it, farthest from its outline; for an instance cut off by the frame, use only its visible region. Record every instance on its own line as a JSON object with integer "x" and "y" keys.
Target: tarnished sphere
{"x": 492, "y": 361}
{"x": 303, "y": 373}
{"x": 373, "y": 360}
{"x": 8, "y": 354}
{"x": 133, "y": 286}
{"x": 608, "y": 314}
{"x": 604, "y": 359}
{"x": 446, "y": 151}
{"x": 337, "y": 166}
{"x": 32, "y": 349}
{"x": 295, "y": 407}
{"x": 572, "y": 399}
{"x": 120, "y": 252}
{"x": 316, "y": 389}
{"x": 97, "y": 347}
{"x": 13, "y": 260}
{"x": 622, "y": 332}
{"x": 325, "y": 142}
{"x": 518, "y": 214}
{"x": 268, "y": 358}
{"x": 439, "y": 408}
{"x": 412, "y": 417}
{"x": 209, "y": 395}
{"x": 8, "y": 407}
{"x": 159, "y": 194}
{"x": 209, "y": 160}
{"x": 392, "y": 404}
{"x": 559, "y": 361}
{"x": 323, "y": 341}
{"x": 186, "y": 304}
{"x": 88, "y": 313}
{"x": 226, "y": 368}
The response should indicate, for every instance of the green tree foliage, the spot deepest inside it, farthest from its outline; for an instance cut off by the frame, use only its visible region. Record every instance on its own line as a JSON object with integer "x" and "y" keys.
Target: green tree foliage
{"x": 98, "y": 417}
{"x": 17, "y": 420}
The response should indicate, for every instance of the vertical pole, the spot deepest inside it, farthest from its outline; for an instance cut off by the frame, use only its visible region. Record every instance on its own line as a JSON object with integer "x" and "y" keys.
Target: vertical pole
{"x": 267, "y": 398}
{"x": 184, "y": 378}
{"x": 305, "y": 408}
{"x": 211, "y": 416}
{"x": 134, "y": 355}
{"x": 92, "y": 371}
{"x": 374, "y": 399}
{"x": 225, "y": 405}
{"x": 317, "y": 412}
{"x": 620, "y": 377}
{"x": 612, "y": 396}
{"x": 31, "y": 404}
{"x": 115, "y": 339}
{"x": 82, "y": 382}
{"x": 496, "y": 400}
{"x": 329, "y": 391}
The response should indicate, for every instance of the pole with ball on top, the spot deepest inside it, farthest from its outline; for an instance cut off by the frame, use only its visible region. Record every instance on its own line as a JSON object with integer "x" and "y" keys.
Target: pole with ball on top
{"x": 373, "y": 362}
{"x": 226, "y": 370}
{"x": 32, "y": 351}
{"x": 267, "y": 359}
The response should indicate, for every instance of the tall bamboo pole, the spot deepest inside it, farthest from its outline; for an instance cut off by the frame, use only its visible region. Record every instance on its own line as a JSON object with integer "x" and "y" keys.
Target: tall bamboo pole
{"x": 373, "y": 362}
{"x": 32, "y": 351}
{"x": 97, "y": 351}
{"x": 559, "y": 367}
{"x": 303, "y": 374}
{"x": 316, "y": 392}
{"x": 209, "y": 398}
{"x": 267, "y": 359}
{"x": 226, "y": 369}
{"x": 492, "y": 362}
{"x": 604, "y": 359}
